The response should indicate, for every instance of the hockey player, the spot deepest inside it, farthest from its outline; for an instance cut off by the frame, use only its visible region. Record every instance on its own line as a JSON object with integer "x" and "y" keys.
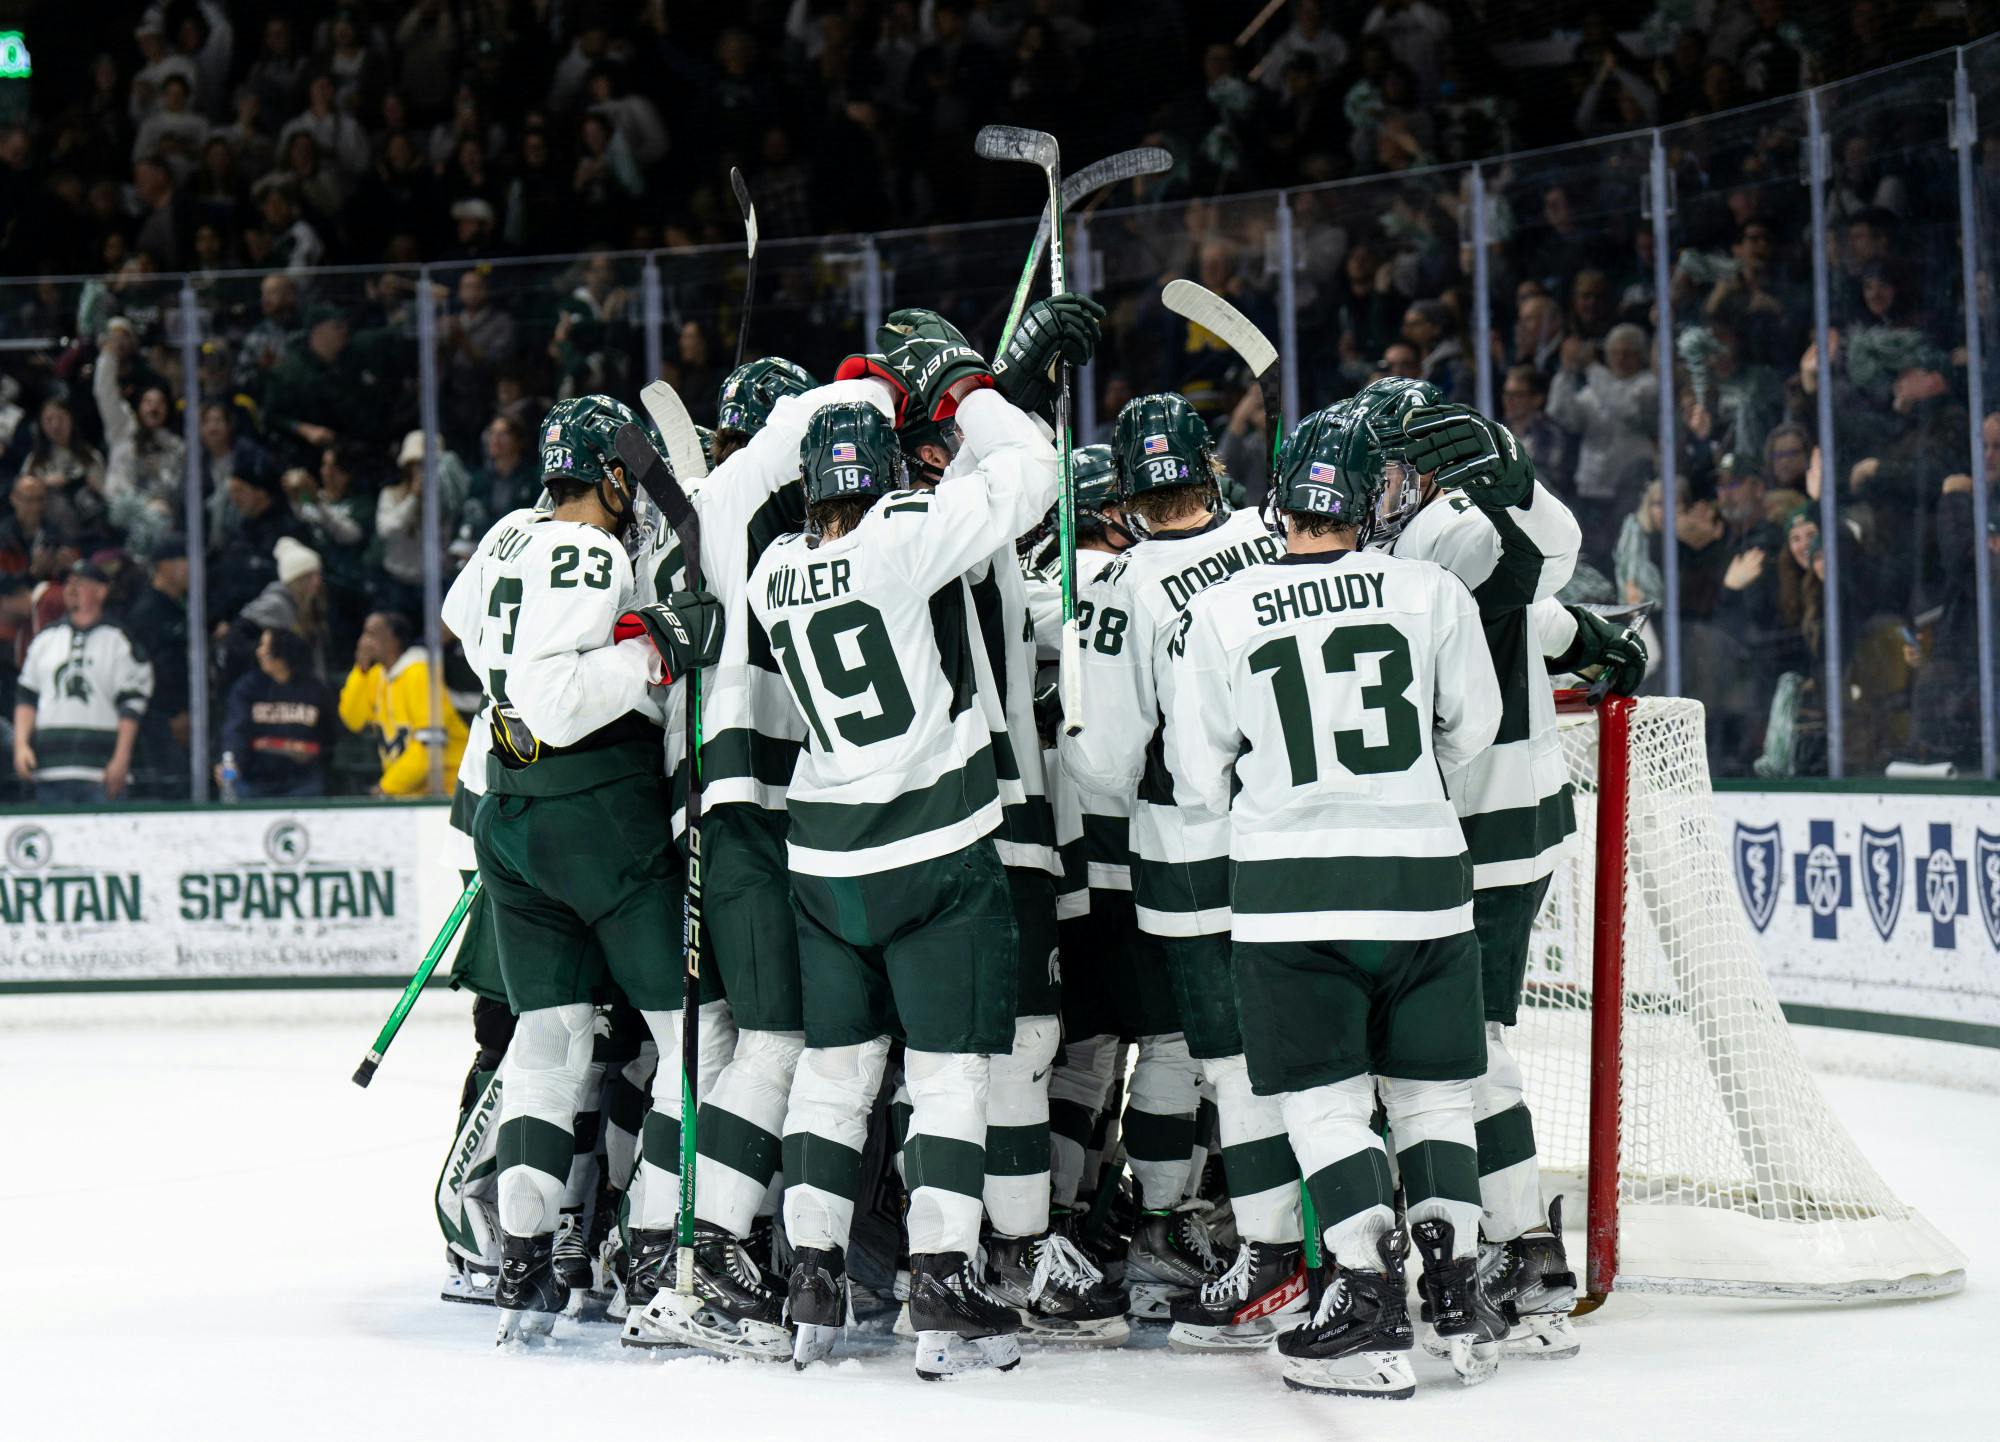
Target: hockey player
{"x": 572, "y": 835}
{"x": 746, "y": 399}
{"x": 1514, "y": 544}
{"x": 904, "y": 915}
{"x": 1167, "y": 475}
{"x": 1095, "y": 905}
{"x": 751, "y": 742}
{"x": 1314, "y": 702}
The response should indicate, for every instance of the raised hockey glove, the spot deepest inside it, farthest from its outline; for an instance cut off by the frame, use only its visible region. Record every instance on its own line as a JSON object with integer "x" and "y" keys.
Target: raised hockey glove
{"x": 864, "y": 367}
{"x": 1607, "y": 651}
{"x": 1062, "y": 330}
{"x": 686, "y": 630}
{"x": 931, "y": 357}
{"x": 1466, "y": 451}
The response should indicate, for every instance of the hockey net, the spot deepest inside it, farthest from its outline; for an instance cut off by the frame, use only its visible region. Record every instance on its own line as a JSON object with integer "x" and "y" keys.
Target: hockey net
{"x": 1706, "y": 1157}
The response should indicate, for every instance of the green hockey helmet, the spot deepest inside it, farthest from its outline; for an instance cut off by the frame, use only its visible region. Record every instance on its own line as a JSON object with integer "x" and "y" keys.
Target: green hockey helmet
{"x": 753, "y": 388}
{"x": 1329, "y": 466}
{"x": 1381, "y": 406}
{"x": 850, "y": 449}
{"x": 706, "y": 435}
{"x": 1096, "y": 487}
{"x": 580, "y": 447}
{"x": 1160, "y": 442}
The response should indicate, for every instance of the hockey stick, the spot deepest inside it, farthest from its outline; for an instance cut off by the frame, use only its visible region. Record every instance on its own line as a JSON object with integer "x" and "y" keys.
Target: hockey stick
{"x": 736, "y": 183}
{"x": 1039, "y": 148}
{"x": 365, "y": 1073}
{"x": 1077, "y": 188}
{"x": 652, "y": 474}
{"x": 668, "y": 412}
{"x": 1229, "y": 325}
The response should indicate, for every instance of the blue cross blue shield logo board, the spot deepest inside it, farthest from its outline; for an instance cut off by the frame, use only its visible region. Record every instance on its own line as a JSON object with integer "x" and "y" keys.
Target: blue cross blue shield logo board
{"x": 1757, "y": 850}
{"x": 1882, "y": 876}
{"x": 1986, "y": 881}
{"x": 1942, "y": 877}
{"x": 1822, "y": 881}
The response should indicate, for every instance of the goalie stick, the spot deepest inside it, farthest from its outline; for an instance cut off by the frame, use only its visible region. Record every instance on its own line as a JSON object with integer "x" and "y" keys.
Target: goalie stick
{"x": 1039, "y": 148}
{"x": 365, "y": 1073}
{"x": 1077, "y": 188}
{"x": 742, "y": 189}
{"x": 651, "y": 473}
{"x": 676, "y": 428}
{"x": 1229, "y": 325}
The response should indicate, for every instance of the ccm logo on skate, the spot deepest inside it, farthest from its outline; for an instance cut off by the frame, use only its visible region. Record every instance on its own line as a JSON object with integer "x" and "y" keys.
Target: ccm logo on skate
{"x": 1275, "y": 1300}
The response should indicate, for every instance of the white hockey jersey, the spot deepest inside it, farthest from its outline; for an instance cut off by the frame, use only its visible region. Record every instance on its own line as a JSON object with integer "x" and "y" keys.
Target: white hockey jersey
{"x": 81, "y": 682}
{"x": 1093, "y": 828}
{"x": 1180, "y": 880}
{"x": 1314, "y": 701}
{"x": 1515, "y": 799}
{"x": 464, "y": 612}
{"x": 542, "y": 644}
{"x": 872, "y": 634}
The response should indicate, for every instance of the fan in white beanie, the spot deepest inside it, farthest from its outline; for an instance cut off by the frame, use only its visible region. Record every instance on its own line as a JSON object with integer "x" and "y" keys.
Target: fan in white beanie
{"x": 294, "y": 559}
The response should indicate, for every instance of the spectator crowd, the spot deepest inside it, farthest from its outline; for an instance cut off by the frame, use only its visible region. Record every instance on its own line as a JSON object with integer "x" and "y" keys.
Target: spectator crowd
{"x": 207, "y": 168}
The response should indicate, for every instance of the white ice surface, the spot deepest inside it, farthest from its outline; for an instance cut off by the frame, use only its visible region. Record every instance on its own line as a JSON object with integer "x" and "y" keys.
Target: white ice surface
{"x": 213, "y": 1234}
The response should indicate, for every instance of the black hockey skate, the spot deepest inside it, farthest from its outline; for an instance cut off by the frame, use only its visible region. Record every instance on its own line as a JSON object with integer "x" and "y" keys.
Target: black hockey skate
{"x": 1244, "y": 1309}
{"x": 649, "y": 1270}
{"x": 960, "y": 1326}
{"x": 1530, "y": 1281}
{"x": 1058, "y": 1295}
{"x": 817, "y": 1303}
{"x": 530, "y": 1297}
{"x": 1456, "y": 1304}
{"x": 735, "y": 1309}
{"x": 1170, "y": 1252}
{"x": 1358, "y": 1341}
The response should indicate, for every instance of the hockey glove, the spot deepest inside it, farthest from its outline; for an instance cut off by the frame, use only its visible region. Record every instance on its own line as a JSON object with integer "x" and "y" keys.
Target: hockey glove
{"x": 930, "y": 356}
{"x": 1466, "y": 451}
{"x": 1062, "y": 330}
{"x": 686, "y": 630}
{"x": 866, "y": 367}
{"x": 1603, "y": 650}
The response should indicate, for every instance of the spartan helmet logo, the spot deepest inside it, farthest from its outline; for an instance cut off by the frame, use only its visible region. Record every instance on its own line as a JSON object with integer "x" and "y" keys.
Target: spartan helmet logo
{"x": 29, "y": 848}
{"x": 72, "y": 681}
{"x": 286, "y": 843}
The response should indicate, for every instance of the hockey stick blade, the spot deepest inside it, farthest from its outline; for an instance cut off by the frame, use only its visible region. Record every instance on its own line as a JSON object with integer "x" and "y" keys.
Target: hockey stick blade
{"x": 743, "y": 203}
{"x": 1077, "y": 188}
{"x": 1223, "y": 321}
{"x": 653, "y": 474}
{"x": 676, "y": 428}
{"x": 1011, "y": 142}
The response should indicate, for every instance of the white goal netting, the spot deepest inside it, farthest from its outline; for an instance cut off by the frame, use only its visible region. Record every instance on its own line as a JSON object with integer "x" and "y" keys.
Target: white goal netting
{"x": 1734, "y": 1176}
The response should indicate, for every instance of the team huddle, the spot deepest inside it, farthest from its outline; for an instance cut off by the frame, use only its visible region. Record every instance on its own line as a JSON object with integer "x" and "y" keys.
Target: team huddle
{"x": 1282, "y": 848}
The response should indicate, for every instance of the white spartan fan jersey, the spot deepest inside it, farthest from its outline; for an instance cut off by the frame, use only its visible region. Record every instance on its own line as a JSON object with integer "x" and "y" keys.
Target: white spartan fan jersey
{"x": 872, "y": 634}
{"x": 81, "y": 683}
{"x": 1180, "y": 881}
{"x": 1514, "y": 800}
{"x": 1315, "y": 700}
{"x": 539, "y": 637}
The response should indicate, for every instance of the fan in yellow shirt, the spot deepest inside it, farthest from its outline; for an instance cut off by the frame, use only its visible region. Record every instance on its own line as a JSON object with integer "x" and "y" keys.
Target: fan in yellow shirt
{"x": 389, "y": 689}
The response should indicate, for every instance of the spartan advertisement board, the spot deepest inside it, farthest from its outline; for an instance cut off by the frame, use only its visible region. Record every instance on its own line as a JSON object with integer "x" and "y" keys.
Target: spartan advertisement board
{"x": 223, "y": 894}
{"x": 1876, "y": 903}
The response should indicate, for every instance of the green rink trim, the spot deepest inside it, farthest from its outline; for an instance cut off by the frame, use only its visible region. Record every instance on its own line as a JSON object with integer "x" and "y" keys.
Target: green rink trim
{"x": 1153, "y": 1137}
{"x": 1439, "y": 1169}
{"x": 1350, "y": 1186}
{"x": 741, "y": 1145}
{"x": 660, "y": 1142}
{"x": 537, "y": 1144}
{"x": 1071, "y": 1121}
{"x": 812, "y": 1161}
{"x": 1259, "y": 1166}
{"x": 1352, "y": 883}
{"x": 1017, "y": 1151}
{"x": 853, "y": 826}
{"x": 1966, "y": 1033}
{"x": 947, "y": 1163}
{"x": 1505, "y": 1140}
{"x": 1518, "y": 833}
